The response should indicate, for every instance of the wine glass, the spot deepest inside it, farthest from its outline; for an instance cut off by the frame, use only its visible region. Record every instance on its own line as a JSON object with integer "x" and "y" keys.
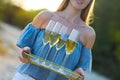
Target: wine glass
{"x": 61, "y": 42}
{"x": 63, "y": 37}
{"x": 54, "y": 37}
{"x": 59, "y": 45}
{"x": 71, "y": 44}
{"x": 47, "y": 33}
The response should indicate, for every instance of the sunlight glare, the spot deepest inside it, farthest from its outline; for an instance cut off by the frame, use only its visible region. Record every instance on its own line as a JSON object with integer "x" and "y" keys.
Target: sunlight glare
{"x": 38, "y": 4}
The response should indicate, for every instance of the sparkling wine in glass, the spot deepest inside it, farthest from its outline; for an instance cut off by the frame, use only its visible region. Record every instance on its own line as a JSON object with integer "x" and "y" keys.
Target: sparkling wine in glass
{"x": 54, "y": 37}
{"x": 63, "y": 37}
{"x": 62, "y": 40}
{"x": 59, "y": 45}
{"x": 71, "y": 44}
{"x": 47, "y": 33}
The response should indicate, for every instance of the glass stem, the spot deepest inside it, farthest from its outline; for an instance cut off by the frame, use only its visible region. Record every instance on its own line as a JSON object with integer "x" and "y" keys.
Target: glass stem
{"x": 55, "y": 54}
{"x": 65, "y": 59}
{"x": 48, "y": 52}
{"x": 42, "y": 48}
{"x": 52, "y": 73}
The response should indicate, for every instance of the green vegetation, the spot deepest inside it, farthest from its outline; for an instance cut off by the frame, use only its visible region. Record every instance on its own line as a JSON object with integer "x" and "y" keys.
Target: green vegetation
{"x": 106, "y": 51}
{"x": 16, "y": 15}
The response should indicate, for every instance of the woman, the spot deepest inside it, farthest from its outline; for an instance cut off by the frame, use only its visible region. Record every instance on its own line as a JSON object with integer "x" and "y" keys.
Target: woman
{"x": 73, "y": 13}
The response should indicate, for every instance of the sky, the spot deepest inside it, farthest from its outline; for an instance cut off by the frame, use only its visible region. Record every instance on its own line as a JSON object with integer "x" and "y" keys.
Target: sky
{"x": 38, "y": 4}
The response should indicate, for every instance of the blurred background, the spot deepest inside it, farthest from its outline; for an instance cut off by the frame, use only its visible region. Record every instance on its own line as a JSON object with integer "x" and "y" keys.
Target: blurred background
{"x": 16, "y": 14}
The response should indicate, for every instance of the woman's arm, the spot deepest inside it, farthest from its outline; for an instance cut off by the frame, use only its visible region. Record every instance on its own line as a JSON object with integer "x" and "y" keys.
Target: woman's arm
{"x": 90, "y": 37}
{"x": 86, "y": 56}
{"x": 27, "y": 38}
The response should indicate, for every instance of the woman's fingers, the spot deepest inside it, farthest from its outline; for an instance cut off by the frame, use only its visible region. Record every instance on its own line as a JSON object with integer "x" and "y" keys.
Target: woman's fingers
{"x": 80, "y": 71}
{"x": 22, "y": 59}
{"x": 26, "y": 49}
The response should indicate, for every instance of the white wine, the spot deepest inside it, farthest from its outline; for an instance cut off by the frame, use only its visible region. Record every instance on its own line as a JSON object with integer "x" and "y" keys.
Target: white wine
{"x": 60, "y": 44}
{"x": 46, "y": 37}
{"x": 47, "y": 32}
{"x": 54, "y": 38}
{"x": 70, "y": 46}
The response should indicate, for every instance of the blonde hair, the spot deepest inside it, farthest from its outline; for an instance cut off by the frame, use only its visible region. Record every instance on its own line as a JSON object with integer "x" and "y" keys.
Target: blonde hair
{"x": 86, "y": 13}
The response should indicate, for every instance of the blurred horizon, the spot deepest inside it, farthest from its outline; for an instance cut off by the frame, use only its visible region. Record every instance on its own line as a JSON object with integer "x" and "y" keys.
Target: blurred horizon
{"x": 37, "y": 4}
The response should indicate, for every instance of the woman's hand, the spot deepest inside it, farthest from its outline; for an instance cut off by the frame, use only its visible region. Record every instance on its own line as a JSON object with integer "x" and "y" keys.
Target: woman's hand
{"x": 80, "y": 71}
{"x": 22, "y": 59}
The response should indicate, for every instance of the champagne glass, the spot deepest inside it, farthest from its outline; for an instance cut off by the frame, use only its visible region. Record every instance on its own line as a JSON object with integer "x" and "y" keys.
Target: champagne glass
{"x": 54, "y": 37}
{"x": 71, "y": 44}
{"x": 59, "y": 45}
{"x": 47, "y": 33}
{"x": 63, "y": 38}
{"x": 61, "y": 42}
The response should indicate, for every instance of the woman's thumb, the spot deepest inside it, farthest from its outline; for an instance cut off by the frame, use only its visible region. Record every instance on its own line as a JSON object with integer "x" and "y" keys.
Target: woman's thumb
{"x": 26, "y": 49}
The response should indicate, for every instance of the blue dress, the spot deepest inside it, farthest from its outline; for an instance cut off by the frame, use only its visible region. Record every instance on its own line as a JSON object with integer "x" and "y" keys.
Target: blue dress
{"x": 81, "y": 57}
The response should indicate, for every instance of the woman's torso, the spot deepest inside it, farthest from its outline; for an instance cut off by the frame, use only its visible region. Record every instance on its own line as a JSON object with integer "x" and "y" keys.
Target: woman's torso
{"x": 73, "y": 58}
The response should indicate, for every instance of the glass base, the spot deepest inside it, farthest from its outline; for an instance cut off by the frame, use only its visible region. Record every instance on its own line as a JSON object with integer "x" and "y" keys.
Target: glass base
{"x": 52, "y": 66}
